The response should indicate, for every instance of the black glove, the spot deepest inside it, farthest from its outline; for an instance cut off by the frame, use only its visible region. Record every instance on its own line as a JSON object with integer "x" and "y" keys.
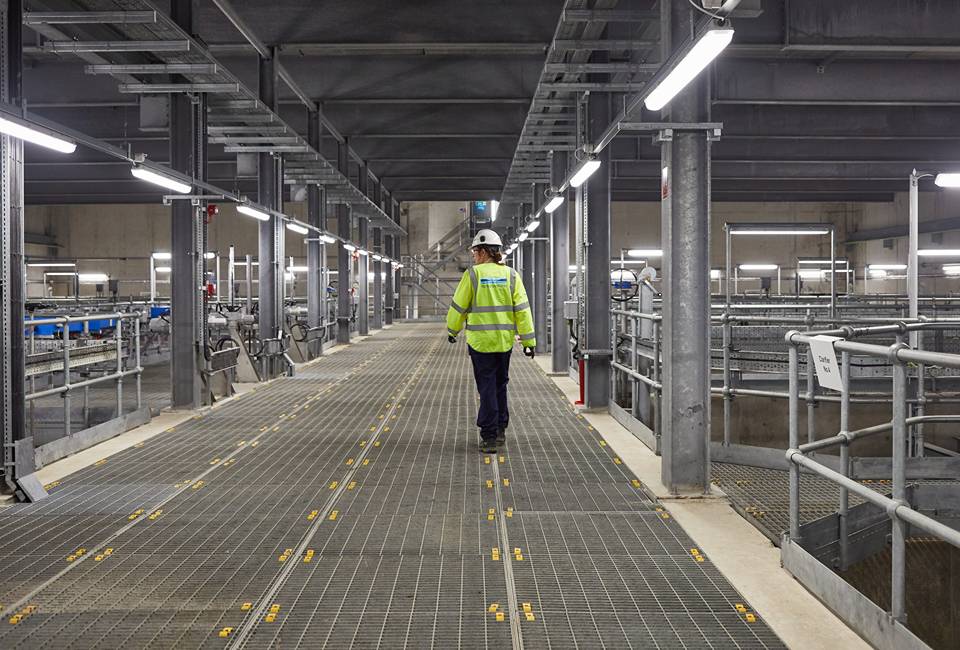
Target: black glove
{"x": 451, "y": 338}
{"x": 529, "y": 352}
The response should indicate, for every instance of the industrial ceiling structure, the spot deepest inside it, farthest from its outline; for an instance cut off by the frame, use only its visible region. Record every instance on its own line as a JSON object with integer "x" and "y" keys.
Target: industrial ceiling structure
{"x": 441, "y": 104}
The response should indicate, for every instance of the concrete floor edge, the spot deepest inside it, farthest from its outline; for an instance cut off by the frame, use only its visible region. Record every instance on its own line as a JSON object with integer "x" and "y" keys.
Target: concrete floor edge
{"x": 742, "y": 554}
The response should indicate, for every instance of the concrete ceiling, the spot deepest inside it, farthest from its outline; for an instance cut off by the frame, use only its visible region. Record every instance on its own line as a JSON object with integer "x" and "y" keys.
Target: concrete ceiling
{"x": 820, "y": 100}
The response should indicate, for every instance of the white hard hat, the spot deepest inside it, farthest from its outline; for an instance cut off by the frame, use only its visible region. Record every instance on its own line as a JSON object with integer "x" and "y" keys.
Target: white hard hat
{"x": 486, "y": 238}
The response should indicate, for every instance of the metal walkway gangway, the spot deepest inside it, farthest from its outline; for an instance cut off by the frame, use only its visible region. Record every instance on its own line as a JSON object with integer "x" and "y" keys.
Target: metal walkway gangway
{"x": 348, "y": 507}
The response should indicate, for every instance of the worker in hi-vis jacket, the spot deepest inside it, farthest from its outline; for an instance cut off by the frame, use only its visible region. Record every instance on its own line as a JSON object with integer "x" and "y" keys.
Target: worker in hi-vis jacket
{"x": 492, "y": 302}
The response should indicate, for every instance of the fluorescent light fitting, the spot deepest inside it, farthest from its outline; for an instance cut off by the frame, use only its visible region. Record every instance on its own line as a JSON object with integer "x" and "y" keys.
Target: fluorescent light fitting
{"x": 586, "y": 171}
{"x": 376, "y": 258}
{"x": 34, "y": 135}
{"x": 523, "y": 236}
{"x": 877, "y": 274}
{"x": 253, "y": 212}
{"x": 327, "y": 239}
{"x": 779, "y": 231}
{"x": 297, "y": 269}
{"x": 758, "y": 267}
{"x": 363, "y": 252}
{"x": 645, "y": 252}
{"x": 297, "y": 228}
{"x": 533, "y": 225}
{"x": 886, "y": 267}
{"x": 209, "y": 255}
{"x": 951, "y": 269}
{"x": 349, "y": 247}
{"x": 151, "y": 176}
{"x": 709, "y": 47}
{"x": 494, "y": 208}
{"x": 628, "y": 262}
{"x": 823, "y": 262}
{"x": 163, "y": 256}
{"x": 92, "y": 277}
{"x": 939, "y": 252}
{"x": 811, "y": 274}
{"x": 163, "y": 269}
{"x": 714, "y": 274}
{"x": 554, "y": 203}
{"x": 948, "y": 180}
{"x": 52, "y": 265}
{"x": 60, "y": 273}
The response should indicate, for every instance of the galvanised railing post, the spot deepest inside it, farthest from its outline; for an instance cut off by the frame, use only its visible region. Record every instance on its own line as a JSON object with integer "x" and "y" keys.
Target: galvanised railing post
{"x": 898, "y": 571}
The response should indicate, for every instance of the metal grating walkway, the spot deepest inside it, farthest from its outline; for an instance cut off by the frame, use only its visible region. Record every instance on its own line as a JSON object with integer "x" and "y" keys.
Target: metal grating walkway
{"x": 348, "y": 507}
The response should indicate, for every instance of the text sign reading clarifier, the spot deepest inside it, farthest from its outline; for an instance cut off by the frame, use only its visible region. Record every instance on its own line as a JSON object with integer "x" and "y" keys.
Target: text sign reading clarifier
{"x": 825, "y": 361}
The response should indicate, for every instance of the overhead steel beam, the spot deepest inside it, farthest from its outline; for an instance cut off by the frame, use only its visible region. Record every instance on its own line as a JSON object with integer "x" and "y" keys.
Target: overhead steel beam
{"x": 334, "y": 101}
{"x": 241, "y": 26}
{"x": 599, "y": 68}
{"x": 151, "y": 68}
{"x": 156, "y": 89}
{"x": 415, "y": 48}
{"x": 600, "y": 45}
{"x": 608, "y": 15}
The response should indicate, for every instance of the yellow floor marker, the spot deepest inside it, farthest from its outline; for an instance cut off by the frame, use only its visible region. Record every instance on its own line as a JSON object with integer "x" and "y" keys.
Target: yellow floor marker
{"x": 246, "y": 607}
{"x": 499, "y": 617}
{"x": 225, "y": 632}
{"x": 333, "y": 515}
{"x": 751, "y": 618}
{"x": 495, "y": 554}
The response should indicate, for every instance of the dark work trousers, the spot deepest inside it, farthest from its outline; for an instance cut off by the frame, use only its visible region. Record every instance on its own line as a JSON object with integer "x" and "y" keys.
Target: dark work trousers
{"x": 491, "y": 370}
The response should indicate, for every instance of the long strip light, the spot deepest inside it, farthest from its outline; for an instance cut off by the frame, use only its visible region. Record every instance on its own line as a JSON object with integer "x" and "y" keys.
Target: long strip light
{"x": 533, "y": 225}
{"x": 52, "y": 265}
{"x": 92, "y": 277}
{"x": 780, "y": 231}
{"x": 151, "y": 176}
{"x": 327, "y": 239}
{"x": 163, "y": 256}
{"x": 297, "y": 228}
{"x": 253, "y": 212}
{"x": 297, "y": 269}
{"x": 704, "y": 51}
{"x": 811, "y": 274}
{"x": 886, "y": 267}
{"x": 758, "y": 267}
{"x": 34, "y": 135}
{"x": 939, "y": 252}
{"x": 951, "y": 269}
{"x": 523, "y": 236}
{"x": 645, "y": 252}
{"x": 349, "y": 247}
{"x": 585, "y": 171}
{"x": 163, "y": 269}
{"x": 948, "y": 180}
{"x": 553, "y": 204}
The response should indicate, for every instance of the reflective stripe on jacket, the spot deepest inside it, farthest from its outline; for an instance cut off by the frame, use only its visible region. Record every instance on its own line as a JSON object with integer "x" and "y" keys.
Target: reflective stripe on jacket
{"x": 492, "y": 302}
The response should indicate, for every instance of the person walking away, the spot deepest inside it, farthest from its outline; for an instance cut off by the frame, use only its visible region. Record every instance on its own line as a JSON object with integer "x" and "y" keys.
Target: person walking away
{"x": 492, "y": 302}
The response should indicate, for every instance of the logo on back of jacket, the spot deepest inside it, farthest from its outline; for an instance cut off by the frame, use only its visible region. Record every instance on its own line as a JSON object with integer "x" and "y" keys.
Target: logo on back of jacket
{"x": 497, "y": 282}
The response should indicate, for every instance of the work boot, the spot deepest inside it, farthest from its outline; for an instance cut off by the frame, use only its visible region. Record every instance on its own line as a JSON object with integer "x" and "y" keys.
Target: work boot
{"x": 501, "y": 439}
{"x": 488, "y": 446}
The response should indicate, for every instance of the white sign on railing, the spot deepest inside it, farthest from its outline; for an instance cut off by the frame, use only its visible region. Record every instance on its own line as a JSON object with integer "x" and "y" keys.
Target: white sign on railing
{"x": 825, "y": 361}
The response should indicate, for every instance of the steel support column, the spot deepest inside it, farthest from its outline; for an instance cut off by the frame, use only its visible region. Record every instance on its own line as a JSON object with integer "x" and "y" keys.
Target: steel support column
{"x": 596, "y": 344}
{"x": 388, "y": 289}
{"x": 397, "y": 279}
{"x": 187, "y": 229}
{"x": 685, "y": 216}
{"x": 377, "y": 281}
{"x": 316, "y": 249}
{"x": 363, "y": 274}
{"x": 539, "y": 250}
{"x": 560, "y": 262}
{"x": 12, "y": 280}
{"x": 270, "y": 292}
{"x": 526, "y": 248}
{"x": 344, "y": 281}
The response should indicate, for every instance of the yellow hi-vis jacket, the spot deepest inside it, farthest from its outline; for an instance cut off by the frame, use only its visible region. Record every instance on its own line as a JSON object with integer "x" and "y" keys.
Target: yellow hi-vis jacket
{"x": 492, "y": 301}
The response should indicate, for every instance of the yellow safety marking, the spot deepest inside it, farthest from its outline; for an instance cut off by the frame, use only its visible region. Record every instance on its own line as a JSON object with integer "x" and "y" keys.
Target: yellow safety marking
{"x": 349, "y": 461}
{"x": 740, "y": 608}
{"x": 617, "y": 460}
{"x": 376, "y": 444}
{"x": 101, "y": 461}
{"x": 197, "y": 485}
{"x": 499, "y": 617}
{"x": 486, "y": 460}
{"x": 308, "y": 556}
{"x": 372, "y": 429}
{"x": 351, "y": 485}
{"x": 386, "y": 429}
{"x": 490, "y": 514}
{"x": 253, "y": 444}
{"x": 138, "y": 445}
{"x": 530, "y": 616}
{"x": 230, "y": 462}
{"x": 277, "y": 428}
{"x": 136, "y": 513}
{"x": 603, "y": 443}
{"x": 334, "y": 484}
{"x": 503, "y": 459}
{"x": 366, "y": 461}
{"x": 108, "y": 551}
{"x": 333, "y": 515}
{"x": 694, "y": 551}
{"x": 493, "y": 607}
{"x": 155, "y": 514}
{"x": 495, "y": 554}
{"x": 589, "y": 428}
{"x": 241, "y": 443}
{"x": 363, "y": 443}
{"x": 245, "y": 607}
{"x": 313, "y": 515}
{"x": 98, "y": 558}
{"x": 274, "y": 608}
{"x": 285, "y": 555}
{"x": 518, "y": 554}
{"x": 379, "y": 417}
{"x": 751, "y": 618}
{"x": 506, "y": 482}
{"x": 510, "y": 511}
{"x": 225, "y": 632}
{"x": 489, "y": 484}
{"x": 215, "y": 461}
{"x": 527, "y": 607}
{"x": 270, "y": 618}
{"x": 50, "y": 486}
